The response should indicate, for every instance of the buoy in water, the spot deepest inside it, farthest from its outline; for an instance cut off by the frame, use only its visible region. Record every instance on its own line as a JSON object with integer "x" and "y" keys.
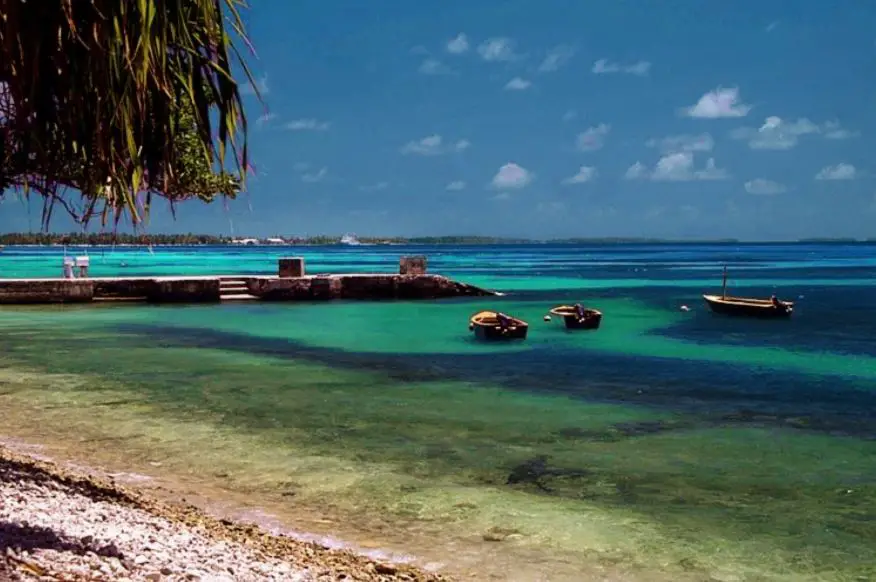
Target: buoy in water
{"x": 685, "y": 308}
{"x": 547, "y": 317}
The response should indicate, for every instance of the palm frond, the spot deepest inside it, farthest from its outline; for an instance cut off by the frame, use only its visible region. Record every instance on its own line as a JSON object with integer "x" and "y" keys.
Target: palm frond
{"x": 116, "y": 98}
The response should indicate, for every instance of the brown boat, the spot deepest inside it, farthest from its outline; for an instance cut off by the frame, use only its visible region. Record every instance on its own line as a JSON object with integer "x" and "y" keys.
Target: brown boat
{"x": 494, "y": 325}
{"x": 748, "y": 306}
{"x": 589, "y": 319}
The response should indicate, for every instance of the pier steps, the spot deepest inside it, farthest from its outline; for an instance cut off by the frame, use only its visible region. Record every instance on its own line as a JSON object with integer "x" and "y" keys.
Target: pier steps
{"x": 211, "y": 289}
{"x": 234, "y": 290}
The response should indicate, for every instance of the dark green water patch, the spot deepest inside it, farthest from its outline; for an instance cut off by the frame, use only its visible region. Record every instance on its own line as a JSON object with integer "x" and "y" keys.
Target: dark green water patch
{"x": 714, "y": 393}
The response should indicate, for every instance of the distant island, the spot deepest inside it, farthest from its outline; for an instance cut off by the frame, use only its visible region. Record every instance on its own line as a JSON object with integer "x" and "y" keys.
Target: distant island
{"x": 125, "y": 239}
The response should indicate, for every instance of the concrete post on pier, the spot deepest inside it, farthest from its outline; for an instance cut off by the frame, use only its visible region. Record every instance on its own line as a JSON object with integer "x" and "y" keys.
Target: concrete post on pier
{"x": 68, "y": 267}
{"x": 82, "y": 263}
{"x": 415, "y": 265}
{"x": 290, "y": 267}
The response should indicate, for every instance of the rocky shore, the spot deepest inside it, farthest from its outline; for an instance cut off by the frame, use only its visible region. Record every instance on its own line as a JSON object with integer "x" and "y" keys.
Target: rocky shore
{"x": 60, "y": 525}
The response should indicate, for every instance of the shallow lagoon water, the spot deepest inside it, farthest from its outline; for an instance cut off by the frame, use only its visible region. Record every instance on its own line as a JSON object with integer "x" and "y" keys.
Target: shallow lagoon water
{"x": 667, "y": 443}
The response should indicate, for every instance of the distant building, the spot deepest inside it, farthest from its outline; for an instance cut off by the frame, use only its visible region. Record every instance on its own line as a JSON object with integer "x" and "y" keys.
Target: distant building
{"x": 275, "y": 241}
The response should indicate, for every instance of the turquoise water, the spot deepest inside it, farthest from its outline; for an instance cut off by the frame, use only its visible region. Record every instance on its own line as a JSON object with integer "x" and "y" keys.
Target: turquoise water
{"x": 668, "y": 442}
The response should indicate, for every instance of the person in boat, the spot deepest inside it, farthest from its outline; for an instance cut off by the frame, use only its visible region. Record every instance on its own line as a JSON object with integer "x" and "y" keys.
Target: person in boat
{"x": 504, "y": 321}
{"x": 777, "y": 303}
{"x": 580, "y": 312}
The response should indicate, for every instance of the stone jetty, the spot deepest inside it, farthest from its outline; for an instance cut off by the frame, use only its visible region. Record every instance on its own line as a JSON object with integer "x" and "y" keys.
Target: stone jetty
{"x": 290, "y": 284}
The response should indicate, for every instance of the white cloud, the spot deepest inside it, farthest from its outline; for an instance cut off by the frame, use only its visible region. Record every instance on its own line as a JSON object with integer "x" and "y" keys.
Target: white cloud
{"x": 594, "y": 138}
{"x": 434, "y": 145}
{"x": 640, "y": 68}
{"x": 832, "y": 130}
{"x": 718, "y": 103}
{"x": 434, "y": 67}
{"x": 636, "y": 171}
{"x": 307, "y": 125}
{"x": 497, "y": 49}
{"x": 838, "y": 172}
{"x": 555, "y": 59}
{"x": 458, "y": 44}
{"x": 683, "y": 143}
{"x": 518, "y": 84}
{"x": 261, "y": 83}
{"x": 776, "y": 133}
{"x": 511, "y": 176}
{"x": 461, "y": 145}
{"x": 676, "y": 167}
{"x": 764, "y": 187}
{"x": 604, "y": 67}
{"x": 585, "y": 174}
{"x": 455, "y": 186}
{"x": 502, "y": 196}
{"x": 313, "y": 177}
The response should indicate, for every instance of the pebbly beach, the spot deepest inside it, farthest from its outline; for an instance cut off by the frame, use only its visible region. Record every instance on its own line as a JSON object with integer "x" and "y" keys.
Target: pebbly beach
{"x": 69, "y": 525}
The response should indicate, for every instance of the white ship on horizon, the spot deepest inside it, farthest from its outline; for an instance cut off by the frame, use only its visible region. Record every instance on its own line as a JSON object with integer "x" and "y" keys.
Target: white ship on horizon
{"x": 350, "y": 239}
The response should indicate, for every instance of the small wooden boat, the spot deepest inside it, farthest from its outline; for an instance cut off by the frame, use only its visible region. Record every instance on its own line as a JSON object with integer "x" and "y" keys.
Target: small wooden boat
{"x": 492, "y": 325}
{"x": 591, "y": 319}
{"x": 748, "y": 306}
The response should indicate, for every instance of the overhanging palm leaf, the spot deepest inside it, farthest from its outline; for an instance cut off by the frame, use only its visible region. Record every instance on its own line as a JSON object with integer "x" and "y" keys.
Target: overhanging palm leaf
{"x": 121, "y": 98}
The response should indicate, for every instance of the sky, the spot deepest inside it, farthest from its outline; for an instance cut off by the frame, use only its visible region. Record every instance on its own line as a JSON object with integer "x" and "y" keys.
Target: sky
{"x": 553, "y": 118}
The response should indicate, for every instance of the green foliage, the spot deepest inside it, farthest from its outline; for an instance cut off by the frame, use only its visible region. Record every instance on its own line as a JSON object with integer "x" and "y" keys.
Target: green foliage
{"x": 108, "y": 238}
{"x": 121, "y": 101}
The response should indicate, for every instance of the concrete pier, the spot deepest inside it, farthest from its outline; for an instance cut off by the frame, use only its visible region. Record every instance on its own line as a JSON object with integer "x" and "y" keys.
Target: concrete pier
{"x": 291, "y": 267}
{"x": 291, "y": 284}
{"x": 209, "y": 289}
{"x": 374, "y": 287}
{"x": 412, "y": 265}
{"x": 46, "y": 291}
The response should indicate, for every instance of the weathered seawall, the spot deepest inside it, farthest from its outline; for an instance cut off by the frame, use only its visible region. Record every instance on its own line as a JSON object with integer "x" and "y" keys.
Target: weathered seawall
{"x": 290, "y": 284}
{"x": 209, "y": 289}
{"x": 360, "y": 287}
{"x": 45, "y": 291}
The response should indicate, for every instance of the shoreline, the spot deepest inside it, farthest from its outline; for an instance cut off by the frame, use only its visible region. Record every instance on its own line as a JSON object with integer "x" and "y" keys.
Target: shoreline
{"x": 459, "y": 551}
{"x": 609, "y": 242}
{"x": 185, "y": 542}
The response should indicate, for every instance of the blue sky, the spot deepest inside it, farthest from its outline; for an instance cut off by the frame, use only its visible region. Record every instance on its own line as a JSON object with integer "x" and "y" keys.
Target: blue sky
{"x": 671, "y": 118}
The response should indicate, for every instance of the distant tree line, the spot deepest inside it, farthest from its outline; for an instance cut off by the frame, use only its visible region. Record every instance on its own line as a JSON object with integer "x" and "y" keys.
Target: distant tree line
{"x": 108, "y": 238}
{"x": 116, "y": 238}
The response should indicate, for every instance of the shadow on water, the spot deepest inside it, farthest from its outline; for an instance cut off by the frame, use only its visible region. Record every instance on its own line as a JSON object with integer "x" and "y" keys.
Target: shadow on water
{"x": 709, "y": 394}
{"x": 820, "y": 324}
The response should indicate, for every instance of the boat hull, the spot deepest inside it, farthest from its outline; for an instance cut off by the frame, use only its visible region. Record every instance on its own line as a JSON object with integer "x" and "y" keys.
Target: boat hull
{"x": 746, "y": 307}
{"x": 591, "y": 320}
{"x": 494, "y": 333}
{"x": 486, "y": 327}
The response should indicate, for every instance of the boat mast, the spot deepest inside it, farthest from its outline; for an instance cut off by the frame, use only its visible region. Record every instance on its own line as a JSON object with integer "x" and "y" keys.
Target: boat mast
{"x": 724, "y": 284}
